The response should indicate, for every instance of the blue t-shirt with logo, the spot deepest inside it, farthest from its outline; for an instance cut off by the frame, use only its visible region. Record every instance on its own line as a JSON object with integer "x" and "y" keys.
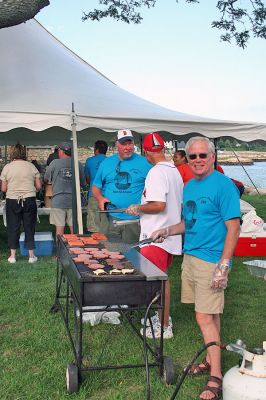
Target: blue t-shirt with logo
{"x": 207, "y": 204}
{"x": 91, "y": 167}
{"x": 122, "y": 181}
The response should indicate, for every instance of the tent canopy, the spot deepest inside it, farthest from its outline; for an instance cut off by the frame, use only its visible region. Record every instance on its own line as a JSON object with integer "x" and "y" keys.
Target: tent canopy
{"x": 40, "y": 79}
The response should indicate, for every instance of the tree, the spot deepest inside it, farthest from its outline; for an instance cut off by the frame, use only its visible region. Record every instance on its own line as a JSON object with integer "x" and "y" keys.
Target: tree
{"x": 236, "y": 23}
{"x": 14, "y": 12}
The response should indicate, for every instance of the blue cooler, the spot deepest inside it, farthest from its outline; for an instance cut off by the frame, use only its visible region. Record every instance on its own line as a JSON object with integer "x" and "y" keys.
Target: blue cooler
{"x": 43, "y": 244}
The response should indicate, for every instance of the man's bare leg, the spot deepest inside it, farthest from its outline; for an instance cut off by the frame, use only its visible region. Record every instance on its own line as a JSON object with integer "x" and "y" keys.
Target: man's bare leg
{"x": 209, "y": 325}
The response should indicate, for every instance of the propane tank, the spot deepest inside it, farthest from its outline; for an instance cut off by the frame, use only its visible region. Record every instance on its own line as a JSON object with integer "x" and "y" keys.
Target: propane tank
{"x": 247, "y": 382}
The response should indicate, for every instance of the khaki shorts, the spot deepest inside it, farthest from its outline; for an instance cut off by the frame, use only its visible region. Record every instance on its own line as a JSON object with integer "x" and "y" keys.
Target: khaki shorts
{"x": 61, "y": 216}
{"x": 96, "y": 222}
{"x": 196, "y": 280}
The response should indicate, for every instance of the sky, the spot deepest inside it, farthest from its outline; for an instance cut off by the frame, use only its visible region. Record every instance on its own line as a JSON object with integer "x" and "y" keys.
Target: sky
{"x": 173, "y": 58}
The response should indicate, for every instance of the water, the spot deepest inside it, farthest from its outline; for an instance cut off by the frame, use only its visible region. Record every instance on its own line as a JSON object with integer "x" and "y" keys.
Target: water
{"x": 257, "y": 173}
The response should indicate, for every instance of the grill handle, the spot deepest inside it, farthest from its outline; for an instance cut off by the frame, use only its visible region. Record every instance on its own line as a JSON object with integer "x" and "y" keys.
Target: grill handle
{"x": 122, "y": 222}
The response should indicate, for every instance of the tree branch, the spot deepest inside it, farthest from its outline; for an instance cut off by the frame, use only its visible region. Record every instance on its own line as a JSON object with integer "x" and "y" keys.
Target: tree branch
{"x": 236, "y": 23}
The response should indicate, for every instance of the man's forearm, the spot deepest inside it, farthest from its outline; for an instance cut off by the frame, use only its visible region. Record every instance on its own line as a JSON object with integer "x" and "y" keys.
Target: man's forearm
{"x": 152, "y": 207}
{"x": 233, "y": 230}
{"x": 176, "y": 229}
{"x": 97, "y": 193}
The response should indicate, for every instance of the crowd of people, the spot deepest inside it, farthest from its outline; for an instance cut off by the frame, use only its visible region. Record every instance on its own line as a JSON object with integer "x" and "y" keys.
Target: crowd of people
{"x": 186, "y": 207}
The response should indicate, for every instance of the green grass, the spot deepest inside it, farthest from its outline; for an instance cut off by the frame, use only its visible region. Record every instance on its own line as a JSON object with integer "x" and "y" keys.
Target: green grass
{"x": 35, "y": 348}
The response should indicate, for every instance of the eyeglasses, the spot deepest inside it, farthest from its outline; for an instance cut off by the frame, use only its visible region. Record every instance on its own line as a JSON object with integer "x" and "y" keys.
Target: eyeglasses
{"x": 117, "y": 169}
{"x": 200, "y": 155}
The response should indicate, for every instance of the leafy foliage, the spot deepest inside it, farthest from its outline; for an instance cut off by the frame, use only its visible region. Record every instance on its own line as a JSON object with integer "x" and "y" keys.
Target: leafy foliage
{"x": 239, "y": 23}
{"x": 119, "y": 10}
{"x": 236, "y": 23}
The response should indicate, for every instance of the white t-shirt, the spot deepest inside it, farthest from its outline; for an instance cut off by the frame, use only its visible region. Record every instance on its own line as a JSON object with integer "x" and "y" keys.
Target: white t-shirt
{"x": 163, "y": 183}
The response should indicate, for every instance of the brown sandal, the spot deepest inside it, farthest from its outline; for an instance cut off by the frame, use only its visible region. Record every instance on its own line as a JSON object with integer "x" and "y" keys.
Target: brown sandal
{"x": 215, "y": 390}
{"x": 198, "y": 369}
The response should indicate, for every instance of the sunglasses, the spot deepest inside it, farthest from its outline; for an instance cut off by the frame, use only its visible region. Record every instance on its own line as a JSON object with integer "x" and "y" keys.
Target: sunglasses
{"x": 117, "y": 169}
{"x": 200, "y": 155}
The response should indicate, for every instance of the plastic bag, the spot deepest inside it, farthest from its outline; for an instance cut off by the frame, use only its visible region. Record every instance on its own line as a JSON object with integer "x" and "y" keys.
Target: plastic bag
{"x": 95, "y": 317}
{"x": 252, "y": 222}
{"x": 220, "y": 276}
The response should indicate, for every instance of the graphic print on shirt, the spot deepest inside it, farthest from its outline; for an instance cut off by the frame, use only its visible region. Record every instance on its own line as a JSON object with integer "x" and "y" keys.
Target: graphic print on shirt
{"x": 190, "y": 214}
{"x": 123, "y": 179}
{"x": 66, "y": 173}
{"x": 191, "y": 209}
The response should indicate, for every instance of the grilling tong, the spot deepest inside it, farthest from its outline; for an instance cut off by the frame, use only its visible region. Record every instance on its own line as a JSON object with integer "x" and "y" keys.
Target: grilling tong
{"x": 112, "y": 210}
{"x": 141, "y": 242}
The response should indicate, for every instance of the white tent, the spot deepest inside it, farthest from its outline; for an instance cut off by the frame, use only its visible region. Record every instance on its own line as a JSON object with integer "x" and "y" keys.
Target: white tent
{"x": 40, "y": 79}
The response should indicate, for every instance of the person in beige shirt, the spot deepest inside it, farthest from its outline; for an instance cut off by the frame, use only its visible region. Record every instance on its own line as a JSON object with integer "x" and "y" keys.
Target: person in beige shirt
{"x": 20, "y": 180}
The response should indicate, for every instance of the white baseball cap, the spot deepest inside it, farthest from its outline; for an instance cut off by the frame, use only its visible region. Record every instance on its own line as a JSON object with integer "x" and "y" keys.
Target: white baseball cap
{"x": 123, "y": 135}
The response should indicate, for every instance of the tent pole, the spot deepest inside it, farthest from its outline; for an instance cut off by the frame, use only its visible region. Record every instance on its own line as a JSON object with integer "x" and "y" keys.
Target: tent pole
{"x": 76, "y": 173}
{"x": 5, "y": 154}
{"x": 215, "y": 141}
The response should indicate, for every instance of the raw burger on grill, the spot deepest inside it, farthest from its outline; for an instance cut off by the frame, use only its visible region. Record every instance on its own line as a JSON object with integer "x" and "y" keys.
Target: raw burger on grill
{"x": 98, "y": 236}
{"x": 95, "y": 266}
{"x": 117, "y": 256}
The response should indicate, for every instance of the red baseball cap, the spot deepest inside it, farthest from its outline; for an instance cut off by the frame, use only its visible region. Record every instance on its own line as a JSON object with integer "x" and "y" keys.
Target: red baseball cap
{"x": 153, "y": 142}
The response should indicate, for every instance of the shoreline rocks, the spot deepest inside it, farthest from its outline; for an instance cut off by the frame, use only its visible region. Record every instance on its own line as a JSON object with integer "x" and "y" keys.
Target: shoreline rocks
{"x": 251, "y": 191}
{"x": 243, "y": 157}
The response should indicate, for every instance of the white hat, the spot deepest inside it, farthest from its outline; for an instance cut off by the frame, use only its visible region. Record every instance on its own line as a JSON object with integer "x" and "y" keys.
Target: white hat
{"x": 124, "y": 134}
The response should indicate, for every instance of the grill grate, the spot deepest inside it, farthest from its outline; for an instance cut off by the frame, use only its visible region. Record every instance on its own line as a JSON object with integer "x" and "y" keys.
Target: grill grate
{"x": 117, "y": 246}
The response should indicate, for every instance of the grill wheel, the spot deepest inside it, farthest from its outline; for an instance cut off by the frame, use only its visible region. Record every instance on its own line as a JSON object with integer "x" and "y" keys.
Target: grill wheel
{"x": 168, "y": 371}
{"x": 72, "y": 381}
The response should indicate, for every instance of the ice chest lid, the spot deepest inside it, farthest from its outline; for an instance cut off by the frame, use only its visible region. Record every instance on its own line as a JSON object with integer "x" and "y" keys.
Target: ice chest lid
{"x": 39, "y": 236}
{"x": 256, "y": 263}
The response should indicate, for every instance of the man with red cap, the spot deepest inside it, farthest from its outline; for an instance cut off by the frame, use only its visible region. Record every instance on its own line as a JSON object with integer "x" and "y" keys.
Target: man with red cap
{"x": 160, "y": 203}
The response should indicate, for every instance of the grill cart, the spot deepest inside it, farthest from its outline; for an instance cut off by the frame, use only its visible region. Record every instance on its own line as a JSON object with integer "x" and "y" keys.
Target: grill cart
{"x": 77, "y": 287}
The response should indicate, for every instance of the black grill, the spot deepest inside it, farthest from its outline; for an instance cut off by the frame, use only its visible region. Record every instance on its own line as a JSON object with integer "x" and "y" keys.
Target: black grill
{"x": 78, "y": 287}
{"x": 138, "y": 288}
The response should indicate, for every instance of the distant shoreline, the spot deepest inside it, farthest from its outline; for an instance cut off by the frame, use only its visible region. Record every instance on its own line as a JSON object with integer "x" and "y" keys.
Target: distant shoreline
{"x": 249, "y": 162}
{"x": 241, "y": 157}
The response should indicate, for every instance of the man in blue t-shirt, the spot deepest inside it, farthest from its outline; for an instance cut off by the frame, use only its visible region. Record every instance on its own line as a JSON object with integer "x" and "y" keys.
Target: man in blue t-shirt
{"x": 211, "y": 223}
{"x": 118, "y": 183}
{"x": 95, "y": 221}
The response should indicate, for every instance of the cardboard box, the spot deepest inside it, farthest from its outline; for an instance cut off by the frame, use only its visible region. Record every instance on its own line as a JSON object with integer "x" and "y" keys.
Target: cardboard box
{"x": 252, "y": 245}
{"x": 43, "y": 244}
{"x": 48, "y": 195}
